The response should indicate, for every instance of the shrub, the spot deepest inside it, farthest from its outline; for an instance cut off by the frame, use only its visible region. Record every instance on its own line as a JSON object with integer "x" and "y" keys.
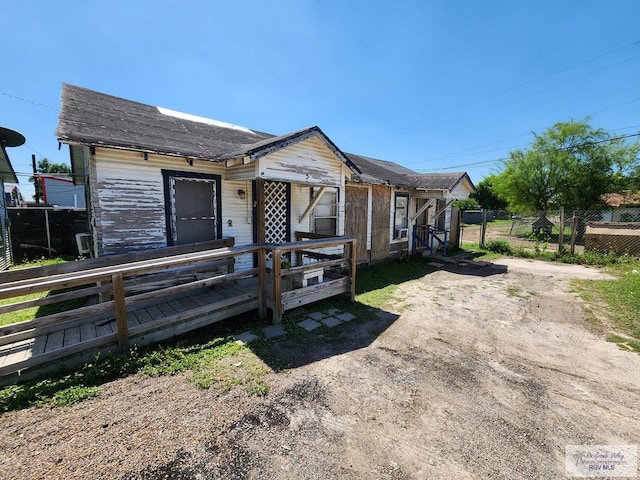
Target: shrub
{"x": 499, "y": 246}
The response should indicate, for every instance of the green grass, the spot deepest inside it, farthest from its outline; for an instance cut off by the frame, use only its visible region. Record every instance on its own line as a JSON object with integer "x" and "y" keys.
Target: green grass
{"x": 34, "y": 312}
{"x": 220, "y": 363}
{"x": 376, "y": 284}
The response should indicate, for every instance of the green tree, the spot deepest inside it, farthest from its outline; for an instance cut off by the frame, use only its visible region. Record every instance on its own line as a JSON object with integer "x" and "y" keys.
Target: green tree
{"x": 45, "y": 166}
{"x": 570, "y": 164}
{"x": 486, "y": 195}
{"x": 466, "y": 204}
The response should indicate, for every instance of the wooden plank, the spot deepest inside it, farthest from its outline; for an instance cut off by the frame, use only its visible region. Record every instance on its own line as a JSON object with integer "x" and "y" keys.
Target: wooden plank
{"x": 181, "y": 326}
{"x": 260, "y": 211}
{"x": 71, "y": 336}
{"x": 53, "y": 321}
{"x": 69, "y": 280}
{"x": 120, "y": 307}
{"x": 49, "y": 300}
{"x": 262, "y": 283}
{"x": 55, "y": 341}
{"x": 277, "y": 286}
{"x": 55, "y": 354}
{"x": 380, "y": 222}
{"x": 314, "y": 201}
{"x": 314, "y": 293}
{"x": 248, "y": 298}
{"x": 356, "y": 209}
{"x": 143, "y": 316}
{"x": 111, "y": 260}
{"x": 352, "y": 271}
{"x": 88, "y": 331}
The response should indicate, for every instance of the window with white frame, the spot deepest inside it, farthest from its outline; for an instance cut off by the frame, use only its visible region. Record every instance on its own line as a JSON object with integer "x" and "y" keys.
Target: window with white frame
{"x": 325, "y": 213}
{"x": 401, "y": 216}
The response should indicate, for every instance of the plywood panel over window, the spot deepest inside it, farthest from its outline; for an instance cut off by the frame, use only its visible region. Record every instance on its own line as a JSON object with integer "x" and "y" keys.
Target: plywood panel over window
{"x": 357, "y": 200}
{"x": 381, "y": 212}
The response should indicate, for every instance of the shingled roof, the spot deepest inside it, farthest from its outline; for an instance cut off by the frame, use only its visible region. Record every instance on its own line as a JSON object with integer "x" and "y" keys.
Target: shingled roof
{"x": 383, "y": 172}
{"x": 97, "y": 119}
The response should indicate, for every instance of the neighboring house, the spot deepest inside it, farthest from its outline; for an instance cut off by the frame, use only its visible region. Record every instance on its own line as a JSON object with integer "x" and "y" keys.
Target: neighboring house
{"x": 12, "y": 195}
{"x": 388, "y": 204}
{"x": 625, "y": 207}
{"x": 8, "y": 138}
{"x": 58, "y": 190}
{"x": 156, "y": 178}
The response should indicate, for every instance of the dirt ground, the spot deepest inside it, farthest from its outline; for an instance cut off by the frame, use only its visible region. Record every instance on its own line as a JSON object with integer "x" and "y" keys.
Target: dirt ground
{"x": 471, "y": 373}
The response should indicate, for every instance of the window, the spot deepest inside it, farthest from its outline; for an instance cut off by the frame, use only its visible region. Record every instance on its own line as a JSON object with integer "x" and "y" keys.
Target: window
{"x": 325, "y": 213}
{"x": 401, "y": 216}
{"x": 192, "y": 207}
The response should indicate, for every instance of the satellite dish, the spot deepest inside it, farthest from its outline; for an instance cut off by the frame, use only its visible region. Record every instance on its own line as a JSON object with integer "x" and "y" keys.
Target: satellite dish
{"x": 11, "y": 138}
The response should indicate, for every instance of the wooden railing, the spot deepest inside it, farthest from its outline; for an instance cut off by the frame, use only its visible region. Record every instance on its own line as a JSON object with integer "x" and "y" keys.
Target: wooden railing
{"x": 116, "y": 289}
{"x": 316, "y": 274}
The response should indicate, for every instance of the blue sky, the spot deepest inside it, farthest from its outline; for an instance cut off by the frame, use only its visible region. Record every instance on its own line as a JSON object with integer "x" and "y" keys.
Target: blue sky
{"x": 448, "y": 85}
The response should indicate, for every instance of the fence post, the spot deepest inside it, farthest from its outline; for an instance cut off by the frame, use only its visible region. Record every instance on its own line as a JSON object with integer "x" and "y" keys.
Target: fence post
{"x": 561, "y": 235}
{"x": 121, "y": 311}
{"x": 574, "y": 231}
{"x": 483, "y": 228}
{"x": 46, "y": 221}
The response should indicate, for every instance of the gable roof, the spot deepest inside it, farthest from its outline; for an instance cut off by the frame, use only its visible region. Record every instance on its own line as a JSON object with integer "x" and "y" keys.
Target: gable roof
{"x": 381, "y": 172}
{"x": 384, "y": 172}
{"x": 97, "y": 119}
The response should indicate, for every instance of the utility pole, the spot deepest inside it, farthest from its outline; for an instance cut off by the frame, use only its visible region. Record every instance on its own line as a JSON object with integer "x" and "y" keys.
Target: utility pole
{"x": 35, "y": 178}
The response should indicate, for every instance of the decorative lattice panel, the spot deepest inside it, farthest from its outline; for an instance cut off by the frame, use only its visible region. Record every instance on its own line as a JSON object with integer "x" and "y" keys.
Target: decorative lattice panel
{"x": 275, "y": 200}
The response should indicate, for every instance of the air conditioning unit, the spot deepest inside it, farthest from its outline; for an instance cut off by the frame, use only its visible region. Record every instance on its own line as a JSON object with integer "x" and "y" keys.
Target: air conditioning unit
{"x": 83, "y": 241}
{"x": 401, "y": 233}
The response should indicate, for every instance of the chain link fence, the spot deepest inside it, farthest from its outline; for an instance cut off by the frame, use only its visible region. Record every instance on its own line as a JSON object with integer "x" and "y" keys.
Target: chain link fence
{"x": 44, "y": 232}
{"x": 607, "y": 231}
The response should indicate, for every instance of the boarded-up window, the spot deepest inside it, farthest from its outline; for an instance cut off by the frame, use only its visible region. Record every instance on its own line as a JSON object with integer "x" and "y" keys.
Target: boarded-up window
{"x": 193, "y": 207}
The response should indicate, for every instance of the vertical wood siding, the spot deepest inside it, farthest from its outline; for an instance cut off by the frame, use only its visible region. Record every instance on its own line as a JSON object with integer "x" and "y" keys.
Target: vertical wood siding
{"x": 5, "y": 248}
{"x": 357, "y": 215}
{"x": 380, "y": 224}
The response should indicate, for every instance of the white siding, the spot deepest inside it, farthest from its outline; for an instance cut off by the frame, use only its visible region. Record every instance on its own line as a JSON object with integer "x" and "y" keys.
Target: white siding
{"x": 309, "y": 162}
{"x": 128, "y": 198}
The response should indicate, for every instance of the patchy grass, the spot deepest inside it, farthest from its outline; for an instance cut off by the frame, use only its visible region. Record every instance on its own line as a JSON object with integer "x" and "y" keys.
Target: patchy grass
{"x": 220, "y": 363}
{"x": 480, "y": 253}
{"x": 376, "y": 284}
{"x": 626, "y": 344}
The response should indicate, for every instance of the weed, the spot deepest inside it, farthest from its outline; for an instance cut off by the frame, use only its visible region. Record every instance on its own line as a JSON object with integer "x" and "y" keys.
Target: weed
{"x": 499, "y": 246}
{"x": 625, "y": 343}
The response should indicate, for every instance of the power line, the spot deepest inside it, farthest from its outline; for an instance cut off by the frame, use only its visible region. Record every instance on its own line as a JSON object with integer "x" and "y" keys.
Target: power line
{"x": 26, "y": 100}
{"x": 594, "y": 142}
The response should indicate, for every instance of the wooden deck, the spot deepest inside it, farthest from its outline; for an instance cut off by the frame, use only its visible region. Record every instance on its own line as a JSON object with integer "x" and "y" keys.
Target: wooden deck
{"x": 142, "y": 298}
{"x": 146, "y": 325}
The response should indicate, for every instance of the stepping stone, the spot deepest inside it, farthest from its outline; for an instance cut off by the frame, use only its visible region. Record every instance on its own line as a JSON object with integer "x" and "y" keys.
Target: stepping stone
{"x": 331, "y": 312}
{"x": 317, "y": 315}
{"x": 345, "y": 317}
{"x": 246, "y": 337}
{"x": 308, "y": 324}
{"x": 435, "y": 264}
{"x": 273, "y": 331}
{"x": 331, "y": 322}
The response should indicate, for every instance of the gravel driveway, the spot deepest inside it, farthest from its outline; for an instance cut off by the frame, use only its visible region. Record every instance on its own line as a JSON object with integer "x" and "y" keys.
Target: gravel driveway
{"x": 470, "y": 373}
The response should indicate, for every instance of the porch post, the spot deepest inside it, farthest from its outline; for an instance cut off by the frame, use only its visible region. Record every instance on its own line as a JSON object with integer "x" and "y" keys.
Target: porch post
{"x": 277, "y": 286}
{"x": 260, "y": 214}
{"x": 354, "y": 263}
{"x": 262, "y": 282}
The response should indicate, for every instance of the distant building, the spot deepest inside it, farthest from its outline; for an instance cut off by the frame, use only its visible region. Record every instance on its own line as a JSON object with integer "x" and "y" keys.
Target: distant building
{"x": 59, "y": 191}
{"x": 12, "y": 195}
